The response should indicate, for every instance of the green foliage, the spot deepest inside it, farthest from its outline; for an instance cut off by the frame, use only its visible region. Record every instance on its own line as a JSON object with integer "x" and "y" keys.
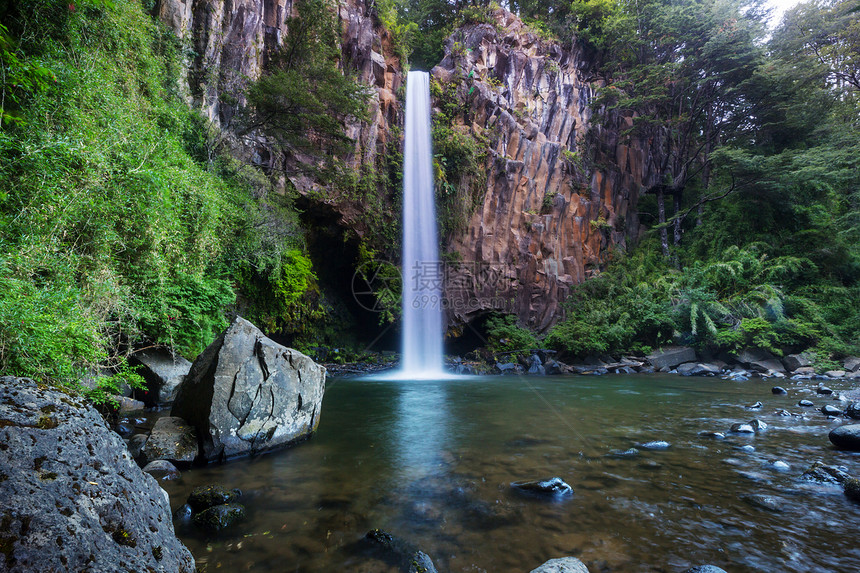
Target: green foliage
{"x": 504, "y": 335}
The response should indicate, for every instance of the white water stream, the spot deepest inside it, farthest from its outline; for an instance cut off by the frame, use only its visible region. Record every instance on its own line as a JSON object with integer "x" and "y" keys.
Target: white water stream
{"x": 422, "y": 269}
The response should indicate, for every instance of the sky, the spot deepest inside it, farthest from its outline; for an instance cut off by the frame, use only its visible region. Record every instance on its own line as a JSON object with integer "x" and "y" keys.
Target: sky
{"x": 779, "y": 7}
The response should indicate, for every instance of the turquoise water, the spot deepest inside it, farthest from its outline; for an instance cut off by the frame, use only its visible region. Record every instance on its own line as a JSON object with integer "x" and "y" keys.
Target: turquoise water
{"x": 432, "y": 462}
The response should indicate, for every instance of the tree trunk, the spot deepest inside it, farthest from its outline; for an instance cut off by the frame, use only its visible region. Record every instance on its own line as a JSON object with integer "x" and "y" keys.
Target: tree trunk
{"x": 661, "y": 219}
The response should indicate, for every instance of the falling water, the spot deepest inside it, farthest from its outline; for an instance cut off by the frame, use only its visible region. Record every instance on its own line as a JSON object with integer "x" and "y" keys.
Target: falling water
{"x": 422, "y": 270}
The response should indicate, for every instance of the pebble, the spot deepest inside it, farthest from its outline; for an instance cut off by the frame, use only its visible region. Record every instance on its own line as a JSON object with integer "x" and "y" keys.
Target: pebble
{"x": 806, "y": 403}
{"x": 824, "y": 390}
{"x": 779, "y": 390}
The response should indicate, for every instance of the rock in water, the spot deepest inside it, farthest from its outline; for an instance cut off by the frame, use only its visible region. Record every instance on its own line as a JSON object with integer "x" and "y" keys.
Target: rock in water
{"x": 562, "y": 565}
{"x": 409, "y": 557}
{"x": 71, "y": 497}
{"x": 219, "y": 517}
{"x": 655, "y": 445}
{"x": 705, "y": 569}
{"x": 163, "y": 372}
{"x": 247, "y": 394}
{"x": 552, "y": 487}
{"x": 821, "y": 473}
{"x": 173, "y": 440}
{"x": 851, "y": 487}
{"x": 207, "y": 496}
{"x": 846, "y": 437}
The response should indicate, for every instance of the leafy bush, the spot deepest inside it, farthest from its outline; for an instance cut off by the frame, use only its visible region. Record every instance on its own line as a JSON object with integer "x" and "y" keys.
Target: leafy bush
{"x": 504, "y": 335}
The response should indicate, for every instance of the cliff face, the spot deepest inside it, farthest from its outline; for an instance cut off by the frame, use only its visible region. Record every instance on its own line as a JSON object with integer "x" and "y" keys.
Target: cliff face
{"x": 560, "y": 191}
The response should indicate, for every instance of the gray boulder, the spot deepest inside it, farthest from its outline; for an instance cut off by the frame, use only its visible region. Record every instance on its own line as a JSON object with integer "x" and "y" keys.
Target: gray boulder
{"x": 67, "y": 476}
{"x": 562, "y": 565}
{"x": 835, "y": 373}
{"x": 794, "y": 361}
{"x": 247, "y": 394}
{"x": 851, "y": 364}
{"x": 698, "y": 369}
{"x": 846, "y": 437}
{"x": 671, "y": 357}
{"x": 172, "y": 439}
{"x": 163, "y": 372}
{"x": 162, "y": 469}
{"x": 535, "y": 366}
{"x": 508, "y": 368}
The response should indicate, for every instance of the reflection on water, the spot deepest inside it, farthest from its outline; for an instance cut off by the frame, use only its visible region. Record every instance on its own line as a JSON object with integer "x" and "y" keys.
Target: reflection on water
{"x": 432, "y": 463}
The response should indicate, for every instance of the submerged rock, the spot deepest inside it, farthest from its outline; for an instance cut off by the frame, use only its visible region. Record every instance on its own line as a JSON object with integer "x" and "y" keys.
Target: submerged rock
{"x": 65, "y": 475}
{"x": 207, "y": 496}
{"x": 629, "y": 453}
{"x": 407, "y": 556}
{"x": 552, "y": 487}
{"x": 219, "y": 517}
{"x": 742, "y": 428}
{"x": 562, "y": 565}
{"x": 655, "y": 445}
{"x": 172, "y": 439}
{"x": 851, "y": 487}
{"x": 821, "y": 473}
{"x": 705, "y": 569}
{"x": 762, "y": 501}
{"x": 247, "y": 394}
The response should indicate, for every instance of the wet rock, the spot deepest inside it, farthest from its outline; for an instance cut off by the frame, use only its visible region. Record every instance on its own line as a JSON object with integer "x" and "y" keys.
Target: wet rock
{"x": 806, "y": 403}
{"x": 135, "y": 444}
{"x": 536, "y": 366}
{"x": 779, "y": 466}
{"x": 742, "y": 428}
{"x": 698, "y": 369}
{"x": 747, "y": 448}
{"x": 66, "y": 475}
{"x": 171, "y": 439}
{"x": 705, "y": 569}
{"x": 835, "y": 374}
{"x": 671, "y": 357}
{"x": 851, "y": 487}
{"x": 738, "y": 376}
{"x": 762, "y": 501}
{"x": 183, "y": 514}
{"x": 629, "y": 453}
{"x": 162, "y": 470}
{"x": 846, "y": 437}
{"x": 821, "y": 473}
{"x": 562, "y": 565}
{"x": 853, "y": 410}
{"x": 779, "y": 390}
{"x": 207, "y": 496}
{"x": 758, "y": 425}
{"x": 246, "y": 394}
{"x": 716, "y": 435}
{"x": 405, "y": 554}
{"x": 782, "y": 412}
{"x": 756, "y": 406}
{"x": 219, "y": 517}
{"x": 805, "y": 371}
{"x": 552, "y": 487}
{"x": 824, "y": 390}
{"x": 829, "y": 410}
{"x": 162, "y": 371}
{"x": 655, "y": 445}
{"x": 508, "y": 368}
{"x": 553, "y": 367}
{"x": 795, "y": 361}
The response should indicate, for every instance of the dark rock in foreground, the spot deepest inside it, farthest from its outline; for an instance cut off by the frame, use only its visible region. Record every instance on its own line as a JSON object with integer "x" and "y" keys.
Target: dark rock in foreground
{"x": 207, "y": 496}
{"x": 407, "y": 556}
{"x": 219, "y": 517}
{"x": 846, "y": 437}
{"x": 562, "y": 565}
{"x": 853, "y": 410}
{"x": 246, "y": 394}
{"x": 552, "y": 487}
{"x": 64, "y": 475}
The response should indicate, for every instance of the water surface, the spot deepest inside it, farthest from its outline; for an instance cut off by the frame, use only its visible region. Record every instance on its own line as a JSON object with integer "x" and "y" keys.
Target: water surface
{"x": 432, "y": 462}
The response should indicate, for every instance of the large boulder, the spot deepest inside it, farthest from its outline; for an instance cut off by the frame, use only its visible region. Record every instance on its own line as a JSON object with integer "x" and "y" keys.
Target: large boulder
{"x": 671, "y": 357}
{"x": 562, "y": 565}
{"x": 846, "y": 437}
{"x": 247, "y": 394}
{"x": 71, "y": 497}
{"x": 794, "y": 361}
{"x": 163, "y": 372}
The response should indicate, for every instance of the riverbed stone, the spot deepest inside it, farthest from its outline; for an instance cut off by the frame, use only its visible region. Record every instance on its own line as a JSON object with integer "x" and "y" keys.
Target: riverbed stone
{"x": 779, "y": 391}
{"x": 163, "y": 372}
{"x": 671, "y": 356}
{"x": 699, "y": 369}
{"x": 763, "y": 501}
{"x": 851, "y": 487}
{"x": 758, "y": 425}
{"x": 806, "y": 403}
{"x": 822, "y": 473}
{"x": 246, "y": 394}
{"x": 206, "y": 496}
{"x": 824, "y": 390}
{"x": 742, "y": 428}
{"x": 64, "y": 474}
{"x": 846, "y": 437}
{"x": 853, "y": 410}
{"x": 655, "y": 445}
{"x": 410, "y": 558}
{"x": 551, "y": 487}
{"x": 705, "y": 569}
{"x": 172, "y": 439}
{"x": 562, "y": 565}
{"x": 829, "y": 410}
{"x": 219, "y": 517}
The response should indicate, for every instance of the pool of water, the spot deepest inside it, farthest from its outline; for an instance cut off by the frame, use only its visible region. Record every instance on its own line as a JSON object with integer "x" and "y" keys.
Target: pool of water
{"x": 432, "y": 463}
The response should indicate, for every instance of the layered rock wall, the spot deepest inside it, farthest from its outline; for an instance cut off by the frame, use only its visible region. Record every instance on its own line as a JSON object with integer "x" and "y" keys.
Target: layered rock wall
{"x": 561, "y": 191}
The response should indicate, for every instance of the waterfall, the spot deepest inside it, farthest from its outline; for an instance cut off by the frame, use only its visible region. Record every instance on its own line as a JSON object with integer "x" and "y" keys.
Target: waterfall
{"x": 422, "y": 269}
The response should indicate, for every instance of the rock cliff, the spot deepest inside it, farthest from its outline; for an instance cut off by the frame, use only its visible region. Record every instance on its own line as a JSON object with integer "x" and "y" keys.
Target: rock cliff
{"x": 561, "y": 189}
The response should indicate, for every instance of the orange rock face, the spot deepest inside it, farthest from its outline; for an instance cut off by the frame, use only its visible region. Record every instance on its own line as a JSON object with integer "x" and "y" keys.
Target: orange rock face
{"x": 561, "y": 191}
